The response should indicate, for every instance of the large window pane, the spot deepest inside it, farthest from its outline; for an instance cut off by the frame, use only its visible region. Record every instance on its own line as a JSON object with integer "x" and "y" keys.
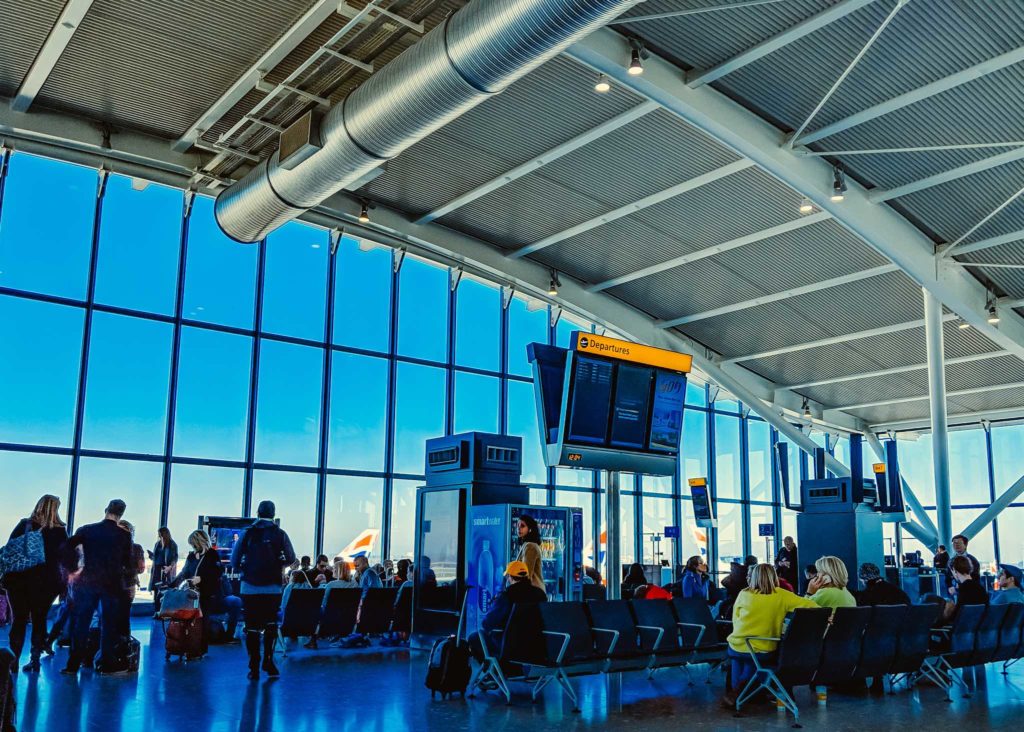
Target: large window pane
{"x": 696, "y": 395}
{"x": 476, "y": 402}
{"x": 478, "y": 325}
{"x": 694, "y": 538}
{"x": 1011, "y": 539}
{"x": 579, "y": 478}
{"x": 25, "y": 477}
{"x": 522, "y": 421}
{"x": 213, "y": 394}
{"x": 41, "y": 346}
{"x": 982, "y": 545}
{"x": 126, "y": 389}
{"x": 695, "y": 444}
{"x": 1007, "y": 458}
{"x": 765, "y": 550}
{"x": 968, "y": 467}
{"x": 759, "y": 441}
{"x": 656, "y": 484}
{"x": 423, "y": 310}
{"x": 527, "y": 323}
{"x": 359, "y": 397}
{"x": 403, "y": 518}
{"x": 295, "y": 281}
{"x": 730, "y": 533}
{"x": 199, "y": 490}
{"x": 627, "y": 528}
{"x": 915, "y": 458}
{"x": 362, "y": 295}
{"x": 657, "y": 514}
{"x": 353, "y": 506}
{"x": 140, "y": 235}
{"x": 137, "y": 483}
{"x": 727, "y": 457}
{"x": 220, "y": 274}
{"x": 585, "y": 502}
{"x": 419, "y": 414}
{"x": 288, "y": 404}
{"x": 294, "y": 496}
{"x": 46, "y": 226}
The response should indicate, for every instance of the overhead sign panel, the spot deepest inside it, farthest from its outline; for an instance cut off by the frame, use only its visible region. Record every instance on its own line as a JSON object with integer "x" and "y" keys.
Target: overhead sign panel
{"x": 635, "y": 352}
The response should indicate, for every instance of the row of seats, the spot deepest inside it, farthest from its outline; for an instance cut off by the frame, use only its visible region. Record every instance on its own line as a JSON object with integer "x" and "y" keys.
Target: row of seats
{"x": 346, "y": 612}
{"x": 552, "y": 641}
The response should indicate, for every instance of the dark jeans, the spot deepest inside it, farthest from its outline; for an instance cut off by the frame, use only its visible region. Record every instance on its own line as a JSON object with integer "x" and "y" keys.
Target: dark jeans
{"x": 30, "y": 602}
{"x": 110, "y": 604}
{"x": 233, "y": 609}
{"x": 743, "y": 668}
{"x": 260, "y": 611}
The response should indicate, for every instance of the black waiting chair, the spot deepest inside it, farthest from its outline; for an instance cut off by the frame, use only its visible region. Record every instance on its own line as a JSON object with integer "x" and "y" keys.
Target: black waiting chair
{"x": 301, "y": 614}
{"x": 989, "y": 629}
{"x": 340, "y": 611}
{"x": 796, "y": 659}
{"x": 520, "y": 638}
{"x": 913, "y": 643}
{"x": 881, "y": 641}
{"x": 594, "y": 592}
{"x": 402, "y": 622}
{"x": 841, "y": 649}
{"x": 953, "y": 648}
{"x": 376, "y": 611}
{"x": 693, "y": 613}
{"x": 659, "y": 634}
{"x": 1010, "y": 636}
{"x": 615, "y": 635}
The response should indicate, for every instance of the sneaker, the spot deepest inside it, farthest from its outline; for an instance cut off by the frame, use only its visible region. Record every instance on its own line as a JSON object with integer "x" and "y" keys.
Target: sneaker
{"x": 113, "y": 670}
{"x": 32, "y": 667}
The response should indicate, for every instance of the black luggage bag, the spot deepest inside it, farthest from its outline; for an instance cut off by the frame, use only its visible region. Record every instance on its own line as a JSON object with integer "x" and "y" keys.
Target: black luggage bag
{"x": 448, "y": 670}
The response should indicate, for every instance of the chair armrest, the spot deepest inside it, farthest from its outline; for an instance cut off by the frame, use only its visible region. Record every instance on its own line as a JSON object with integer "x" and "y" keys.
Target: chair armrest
{"x": 700, "y": 631}
{"x": 750, "y": 647}
{"x": 657, "y": 639}
{"x": 615, "y": 639}
{"x": 565, "y": 645}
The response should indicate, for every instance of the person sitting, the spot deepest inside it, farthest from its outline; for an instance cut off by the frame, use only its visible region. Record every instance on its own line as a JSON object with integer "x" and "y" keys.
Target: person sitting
{"x": 694, "y": 581}
{"x": 305, "y": 566}
{"x": 634, "y": 579}
{"x": 298, "y": 582}
{"x": 734, "y": 583}
{"x": 342, "y": 577}
{"x": 402, "y": 572}
{"x": 759, "y": 612}
{"x": 1009, "y": 586}
{"x": 594, "y": 575}
{"x": 322, "y": 573}
{"x": 968, "y": 590}
{"x": 876, "y": 590}
{"x": 518, "y": 590}
{"x": 828, "y": 588}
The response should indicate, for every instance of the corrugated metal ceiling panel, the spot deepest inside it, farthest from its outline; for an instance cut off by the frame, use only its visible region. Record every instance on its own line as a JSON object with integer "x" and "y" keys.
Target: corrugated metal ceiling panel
{"x": 992, "y": 371}
{"x": 1010, "y": 282}
{"x": 892, "y": 412}
{"x": 995, "y": 399}
{"x": 27, "y": 25}
{"x": 891, "y": 386}
{"x": 157, "y": 66}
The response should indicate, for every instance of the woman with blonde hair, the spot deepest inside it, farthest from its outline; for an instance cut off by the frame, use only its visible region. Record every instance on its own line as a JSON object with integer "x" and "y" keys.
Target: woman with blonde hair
{"x": 33, "y": 590}
{"x": 203, "y": 571}
{"x": 828, "y": 588}
{"x": 759, "y": 612}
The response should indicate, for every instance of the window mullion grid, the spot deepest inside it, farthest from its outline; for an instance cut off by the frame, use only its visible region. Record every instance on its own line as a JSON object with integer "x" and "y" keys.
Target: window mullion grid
{"x": 992, "y": 490}
{"x": 745, "y": 507}
{"x": 389, "y": 434}
{"x": 449, "y": 377}
{"x": 712, "y": 533}
{"x": 250, "y": 437}
{"x": 325, "y": 402}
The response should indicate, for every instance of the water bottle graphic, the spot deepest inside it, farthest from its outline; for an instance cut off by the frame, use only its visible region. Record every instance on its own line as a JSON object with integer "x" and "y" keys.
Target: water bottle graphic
{"x": 485, "y": 577}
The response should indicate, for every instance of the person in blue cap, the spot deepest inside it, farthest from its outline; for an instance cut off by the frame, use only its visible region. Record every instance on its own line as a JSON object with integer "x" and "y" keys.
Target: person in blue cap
{"x": 1009, "y": 586}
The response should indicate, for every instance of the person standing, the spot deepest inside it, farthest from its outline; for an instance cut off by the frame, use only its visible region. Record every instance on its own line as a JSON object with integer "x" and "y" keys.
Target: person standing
{"x": 165, "y": 563}
{"x": 203, "y": 571}
{"x": 529, "y": 550}
{"x": 33, "y": 591}
{"x": 136, "y": 567}
{"x": 787, "y": 563}
{"x": 261, "y": 555}
{"x": 941, "y": 559}
{"x": 960, "y": 550}
{"x": 106, "y": 549}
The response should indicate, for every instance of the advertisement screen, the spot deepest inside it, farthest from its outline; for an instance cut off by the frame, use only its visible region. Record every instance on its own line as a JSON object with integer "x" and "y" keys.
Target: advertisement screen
{"x": 667, "y": 419}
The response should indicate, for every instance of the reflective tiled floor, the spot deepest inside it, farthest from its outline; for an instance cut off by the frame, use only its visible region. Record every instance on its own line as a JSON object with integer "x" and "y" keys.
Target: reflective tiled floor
{"x": 382, "y": 690}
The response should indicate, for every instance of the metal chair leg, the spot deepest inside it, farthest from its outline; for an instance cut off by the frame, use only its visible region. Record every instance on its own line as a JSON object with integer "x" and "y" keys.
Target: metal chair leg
{"x": 563, "y": 681}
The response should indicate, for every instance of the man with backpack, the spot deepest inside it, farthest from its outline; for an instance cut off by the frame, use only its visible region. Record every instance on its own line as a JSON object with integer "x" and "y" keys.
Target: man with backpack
{"x": 260, "y": 556}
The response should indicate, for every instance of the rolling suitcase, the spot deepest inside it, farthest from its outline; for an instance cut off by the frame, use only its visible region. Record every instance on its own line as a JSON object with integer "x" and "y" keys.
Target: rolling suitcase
{"x": 184, "y": 638}
{"x": 448, "y": 670}
{"x": 133, "y": 654}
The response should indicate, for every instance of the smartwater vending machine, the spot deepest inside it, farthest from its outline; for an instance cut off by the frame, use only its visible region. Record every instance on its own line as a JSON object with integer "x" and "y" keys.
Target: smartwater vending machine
{"x": 495, "y": 543}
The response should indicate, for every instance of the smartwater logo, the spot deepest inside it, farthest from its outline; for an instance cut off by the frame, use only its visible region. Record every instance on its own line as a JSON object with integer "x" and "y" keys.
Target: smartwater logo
{"x": 486, "y": 522}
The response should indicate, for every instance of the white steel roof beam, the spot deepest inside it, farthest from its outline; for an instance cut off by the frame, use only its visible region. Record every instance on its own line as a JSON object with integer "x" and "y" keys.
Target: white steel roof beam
{"x": 954, "y": 419}
{"x": 887, "y": 194}
{"x": 913, "y": 97}
{"x": 692, "y": 11}
{"x": 699, "y": 77}
{"x": 885, "y": 329}
{"x": 631, "y": 208}
{"x": 53, "y": 48}
{"x": 784, "y": 295}
{"x": 881, "y": 227}
{"x": 894, "y": 370}
{"x": 914, "y": 149}
{"x": 994, "y": 241}
{"x": 541, "y": 160}
{"x": 712, "y": 250}
{"x": 288, "y": 42}
{"x": 907, "y": 400}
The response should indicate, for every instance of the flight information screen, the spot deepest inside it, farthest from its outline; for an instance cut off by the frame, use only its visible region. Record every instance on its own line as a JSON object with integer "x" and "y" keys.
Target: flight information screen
{"x": 667, "y": 419}
{"x": 591, "y": 400}
{"x": 631, "y": 406}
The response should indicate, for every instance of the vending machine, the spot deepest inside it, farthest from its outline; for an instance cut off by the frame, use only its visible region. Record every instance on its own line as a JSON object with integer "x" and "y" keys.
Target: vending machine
{"x": 495, "y": 542}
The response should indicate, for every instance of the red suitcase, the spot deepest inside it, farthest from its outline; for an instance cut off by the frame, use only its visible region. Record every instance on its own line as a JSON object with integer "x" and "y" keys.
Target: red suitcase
{"x": 184, "y": 638}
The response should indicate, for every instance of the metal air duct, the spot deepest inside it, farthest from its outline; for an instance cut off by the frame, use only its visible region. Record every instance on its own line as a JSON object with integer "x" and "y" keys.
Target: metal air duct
{"x": 473, "y": 54}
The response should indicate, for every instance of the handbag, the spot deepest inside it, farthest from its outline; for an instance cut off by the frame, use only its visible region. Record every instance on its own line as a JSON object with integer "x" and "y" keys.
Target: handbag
{"x": 23, "y": 552}
{"x": 179, "y": 604}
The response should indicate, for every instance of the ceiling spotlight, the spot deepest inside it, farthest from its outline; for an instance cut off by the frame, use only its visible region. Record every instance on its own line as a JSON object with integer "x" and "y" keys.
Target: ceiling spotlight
{"x": 364, "y": 213}
{"x": 554, "y": 284}
{"x": 838, "y": 185}
{"x": 806, "y": 206}
{"x": 636, "y": 58}
{"x": 807, "y": 409}
{"x": 963, "y": 325}
{"x": 602, "y": 85}
{"x": 993, "y": 316}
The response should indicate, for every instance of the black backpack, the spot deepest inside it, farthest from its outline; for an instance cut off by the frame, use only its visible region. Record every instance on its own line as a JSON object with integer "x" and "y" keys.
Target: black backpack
{"x": 448, "y": 670}
{"x": 263, "y": 553}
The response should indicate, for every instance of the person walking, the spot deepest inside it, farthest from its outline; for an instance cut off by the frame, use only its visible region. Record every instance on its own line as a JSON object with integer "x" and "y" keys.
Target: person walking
{"x": 33, "y": 591}
{"x": 260, "y": 556}
{"x": 165, "y": 563}
{"x": 106, "y": 552}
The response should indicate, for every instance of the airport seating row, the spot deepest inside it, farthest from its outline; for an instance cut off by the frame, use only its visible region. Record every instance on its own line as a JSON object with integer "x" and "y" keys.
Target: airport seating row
{"x": 346, "y": 612}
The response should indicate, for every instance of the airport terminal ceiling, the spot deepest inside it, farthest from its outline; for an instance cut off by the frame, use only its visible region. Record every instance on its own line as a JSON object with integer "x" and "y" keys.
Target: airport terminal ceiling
{"x": 616, "y": 191}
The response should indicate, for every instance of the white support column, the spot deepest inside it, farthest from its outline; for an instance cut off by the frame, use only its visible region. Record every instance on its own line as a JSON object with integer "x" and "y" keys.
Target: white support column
{"x": 937, "y": 395}
{"x": 612, "y": 523}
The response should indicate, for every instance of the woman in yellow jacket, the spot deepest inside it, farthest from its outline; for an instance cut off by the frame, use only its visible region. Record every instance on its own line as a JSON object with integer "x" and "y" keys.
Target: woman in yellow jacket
{"x": 759, "y": 612}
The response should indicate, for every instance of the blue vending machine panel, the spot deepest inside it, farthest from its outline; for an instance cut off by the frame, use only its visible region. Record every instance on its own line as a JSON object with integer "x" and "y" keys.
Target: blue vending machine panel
{"x": 487, "y": 557}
